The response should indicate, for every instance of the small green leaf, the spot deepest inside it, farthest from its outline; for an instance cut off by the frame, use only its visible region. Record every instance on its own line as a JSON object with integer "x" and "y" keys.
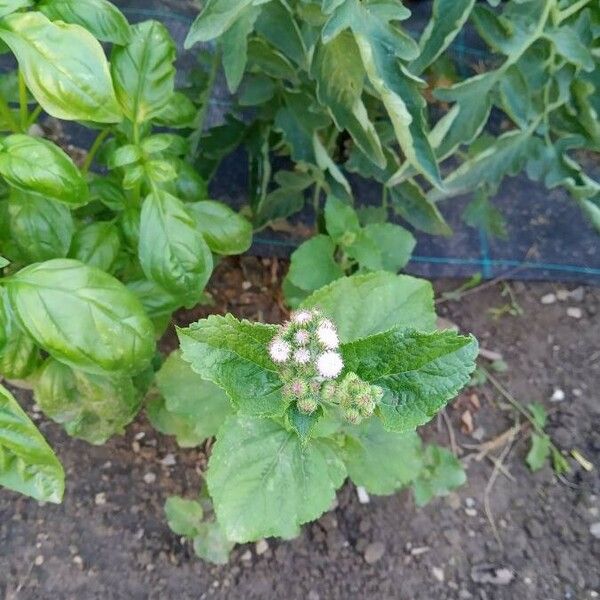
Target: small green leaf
{"x": 313, "y": 265}
{"x": 68, "y": 85}
{"x": 441, "y": 474}
{"x": 183, "y": 516}
{"x": 302, "y": 423}
{"x": 395, "y": 244}
{"x": 143, "y": 71}
{"x": 100, "y": 17}
{"x": 364, "y": 305}
{"x": 234, "y": 355}
{"x": 482, "y": 214}
{"x": 539, "y": 452}
{"x": 27, "y": 464}
{"x": 211, "y": 544}
{"x": 38, "y": 166}
{"x": 225, "y": 231}
{"x": 92, "y": 407}
{"x": 10, "y": 6}
{"x": 97, "y": 245}
{"x": 341, "y": 221}
{"x": 82, "y": 316}
{"x": 216, "y": 18}
{"x": 538, "y": 413}
{"x": 381, "y": 461}
{"x": 420, "y": 372}
{"x": 179, "y": 112}
{"x": 265, "y": 483}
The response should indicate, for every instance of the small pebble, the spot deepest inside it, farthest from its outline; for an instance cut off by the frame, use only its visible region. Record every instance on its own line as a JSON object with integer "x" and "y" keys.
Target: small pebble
{"x": 135, "y": 446}
{"x": 562, "y": 295}
{"x": 149, "y": 478}
{"x": 595, "y": 529}
{"x": 373, "y": 552}
{"x": 363, "y": 495}
{"x": 100, "y": 499}
{"x": 557, "y": 395}
{"x": 39, "y": 560}
{"x": 169, "y": 460}
{"x": 140, "y": 435}
{"x": 577, "y": 294}
{"x": 574, "y": 312}
{"x": 470, "y": 512}
{"x": 247, "y": 556}
{"x": 246, "y": 285}
{"x": 548, "y": 299}
{"x": 438, "y": 574}
{"x": 78, "y": 561}
{"x": 261, "y": 546}
{"x": 470, "y": 502}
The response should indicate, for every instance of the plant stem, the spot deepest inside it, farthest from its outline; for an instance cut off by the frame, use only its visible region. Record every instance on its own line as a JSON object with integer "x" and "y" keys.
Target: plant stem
{"x": 89, "y": 159}
{"x": 7, "y": 115}
{"x": 34, "y": 116}
{"x": 23, "y": 110}
{"x": 212, "y": 77}
{"x": 316, "y": 200}
{"x": 570, "y": 11}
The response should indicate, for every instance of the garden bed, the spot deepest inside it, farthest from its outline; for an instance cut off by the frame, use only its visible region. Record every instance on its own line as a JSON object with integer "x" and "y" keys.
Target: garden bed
{"x": 110, "y": 540}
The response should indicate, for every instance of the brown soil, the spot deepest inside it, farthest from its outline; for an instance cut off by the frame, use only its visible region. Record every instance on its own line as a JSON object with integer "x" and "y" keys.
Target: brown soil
{"x": 109, "y": 538}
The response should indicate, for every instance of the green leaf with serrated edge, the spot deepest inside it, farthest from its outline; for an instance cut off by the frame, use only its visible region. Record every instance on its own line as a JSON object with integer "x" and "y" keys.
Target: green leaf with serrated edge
{"x": 395, "y": 244}
{"x": 302, "y": 423}
{"x": 341, "y": 221}
{"x": 100, "y": 17}
{"x": 170, "y": 423}
{"x": 365, "y": 251}
{"x": 143, "y": 71}
{"x": 82, "y": 316}
{"x": 441, "y": 474}
{"x": 265, "y": 483}
{"x": 172, "y": 251}
{"x": 38, "y": 166}
{"x": 67, "y": 85}
{"x": 539, "y": 452}
{"x": 42, "y": 229}
{"x": 483, "y": 215}
{"x": 202, "y": 403}
{"x": 412, "y": 204}
{"x": 419, "y": 372}
{"x": 381, "y": 461}
{"x": 364, "y": 305}
{"x": 97, "y": 245}
{"x": 27, "y": 464}
{"x": 10, "y": 6}
{"x": 178, "y": 113}
{"x": 234, "y": 355}
{"x": 93, "y": 407}
{"x": 183, "y": 516}
{"x": 339, "y": 81}
{"x": 312, "y": 265}
{"x": 211, "y": 544}
{"x": 225, "y": 231}
{"x": 19, "y": 356}
{"x": 447, "y": 20}
{"x": 216, "y": 18}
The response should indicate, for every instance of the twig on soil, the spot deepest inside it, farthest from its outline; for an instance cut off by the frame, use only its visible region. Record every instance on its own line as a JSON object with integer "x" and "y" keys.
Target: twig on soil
{"x": 451, "y": 435}
{"x": 487, "y": 447}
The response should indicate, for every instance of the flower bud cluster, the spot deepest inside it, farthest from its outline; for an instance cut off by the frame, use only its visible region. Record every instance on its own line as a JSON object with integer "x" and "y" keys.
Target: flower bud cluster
{"x": 356, "y": 397}
{"x": 306, "y": 352}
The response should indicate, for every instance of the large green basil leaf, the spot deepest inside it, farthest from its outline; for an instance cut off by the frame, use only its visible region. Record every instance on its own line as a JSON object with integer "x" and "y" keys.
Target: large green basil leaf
{"x": 265, "y": 483}
{"x": 64, "y": 67}
{"x": 363, "y": 305}
{"x": 192, "y": 408}
{"x": 172, "y": 251}
{"x": 234, "y": 355}
{"x": 340, "y": 79}
{"x": 42, "y": 229}
{"x": 92, "y": 407}
{"x": 97, "y": 245}
{"x": 37, "y": 166}
{"x": 19, "y": 356}
{"x": 82, "y": 316}
{"x": 225, "y": 231}
{"x": 143, "y": 71}
{"x": 10, "y": 6}
{"x": 419, "y": 372}
{"x": 179, "y": 112}
{"x": 382, "y": 461}
{"x": 27, "y": 464}
{"x": 100, "y": 17}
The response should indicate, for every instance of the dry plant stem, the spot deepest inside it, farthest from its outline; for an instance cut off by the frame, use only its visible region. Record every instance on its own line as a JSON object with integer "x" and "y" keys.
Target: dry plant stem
{"x": 451, "y": 435}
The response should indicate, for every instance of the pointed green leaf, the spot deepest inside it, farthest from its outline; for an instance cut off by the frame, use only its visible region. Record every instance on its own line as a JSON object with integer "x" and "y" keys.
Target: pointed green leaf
{"x": 313, "y": 265}
{"x": 211, "y": 544}
{"x": 341, "y": 221}
{"x": 97, "y": 245}
{"x": 265, "y": 483}
{"x": 183, "y": 516}
{"x": 441, "y": 474}
{"x": 27, "y": 464}
{"x": 539, "y": 452}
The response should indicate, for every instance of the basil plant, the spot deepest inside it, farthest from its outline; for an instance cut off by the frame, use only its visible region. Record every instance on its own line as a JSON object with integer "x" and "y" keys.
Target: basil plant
{"x": 94, "y": 263}
{"x": 336, "y": 392}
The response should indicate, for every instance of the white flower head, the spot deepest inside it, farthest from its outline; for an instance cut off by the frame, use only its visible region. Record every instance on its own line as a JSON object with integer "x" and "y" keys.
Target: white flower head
{"x": 302, "y": 337}
{"x": 302, "y": 317}
{"x": 302, "y": 356}
{"x": 279, "y": 350}
{"x": 330, "y": 364}
{"x": 327, "y": 335}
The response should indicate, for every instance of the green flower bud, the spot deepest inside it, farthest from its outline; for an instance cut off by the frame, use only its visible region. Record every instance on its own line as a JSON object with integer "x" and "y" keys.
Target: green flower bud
{"x": 307, "y": 405}
{"x": 329, "y": 391}
{"x": 297, "y": 388}
{"x": 352, "y": 416}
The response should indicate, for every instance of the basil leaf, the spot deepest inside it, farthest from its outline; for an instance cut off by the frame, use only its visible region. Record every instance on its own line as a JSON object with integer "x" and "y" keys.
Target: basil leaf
{"x": 92, "y": 407}
{"x": 19, "y": 356}
{"x": 420, "y": 372}
{"x": 363, "y": 305}
{"x": 42, "y": 229}
{"x": 143, "y": 71}
{"x": 172, "y": 251}
{"x": 178, "y": 113}
{"x": 216, "y": 18}
{"x": 82, "y": 316}
{"x": 225, "y": 231}
{"x": 265, "y": 483}
{"x": 100, "y": 17}
{"x": 10, "y": 6}
{"x": 27, "y": 464}
{"x": 69, "y": 84}
{"x": 233, "y": 354}
{"x": 38, "y": 166}
{"x": 97, "y": 245}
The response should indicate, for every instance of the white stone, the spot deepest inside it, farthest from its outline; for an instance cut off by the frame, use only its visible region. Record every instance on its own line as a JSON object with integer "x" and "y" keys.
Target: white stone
{"x": 363, "y": 495}
{"x": 548, "y": 299}
{"x": 149, "y": 478}
{"x": 438, "y": 573}
{"x": 595, "y": 529}
{"x": 261, "y": 546}
{"x": 574, "y": 312}
{"x": 557, "y": 396}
